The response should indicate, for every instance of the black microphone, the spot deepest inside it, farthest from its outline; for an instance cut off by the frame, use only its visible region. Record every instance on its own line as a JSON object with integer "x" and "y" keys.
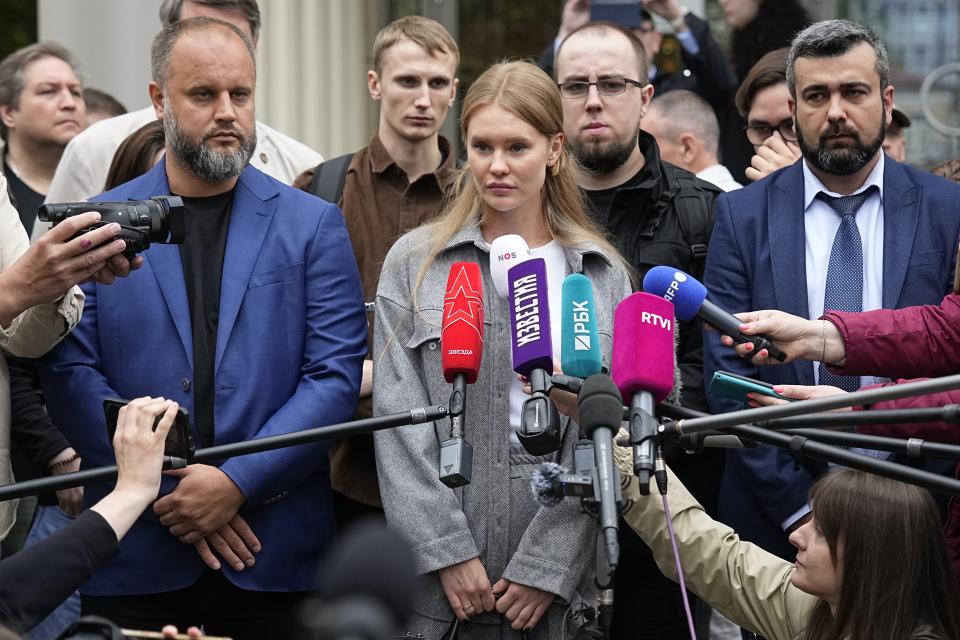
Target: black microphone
{"x": 552, "y": 482}
{"x": 546, "y": 483}
{"x": 601, "y": 411}
{"x": 367, "y": 583}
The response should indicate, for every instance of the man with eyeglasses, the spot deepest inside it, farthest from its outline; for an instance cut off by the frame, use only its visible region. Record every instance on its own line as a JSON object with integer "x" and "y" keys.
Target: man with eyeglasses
{"x": 657, "y": 214}
{"x": 763, "y": 99}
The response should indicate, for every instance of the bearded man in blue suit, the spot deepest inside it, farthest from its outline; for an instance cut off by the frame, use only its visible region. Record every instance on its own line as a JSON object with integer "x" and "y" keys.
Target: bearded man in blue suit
{"x": 255, "y": 323}
{"x": 845, "y": 227}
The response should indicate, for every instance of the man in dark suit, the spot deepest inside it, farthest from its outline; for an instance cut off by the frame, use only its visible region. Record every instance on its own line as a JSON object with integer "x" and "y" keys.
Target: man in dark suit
{"x": 845, "y": 228}
{"x": 255, "y": 324}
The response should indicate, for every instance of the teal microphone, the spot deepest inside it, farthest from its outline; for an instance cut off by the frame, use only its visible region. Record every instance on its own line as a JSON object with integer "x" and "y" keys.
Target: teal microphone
{"x": 580, "y": 354}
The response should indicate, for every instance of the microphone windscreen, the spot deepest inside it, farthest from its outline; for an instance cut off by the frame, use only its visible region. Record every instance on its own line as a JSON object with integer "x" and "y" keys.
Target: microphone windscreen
{"x": 461, "y": 335}
{"x": 579, "y": 343}
{"x": 530, "y": 317}
{"x": 643, "y": 346}
{"x": 600, "y": 404}
{"x": 372, "y": 561}
{"x": 683, "y": 290}
{"x": 545, "y": 484}
{"x": 505, "y": 252}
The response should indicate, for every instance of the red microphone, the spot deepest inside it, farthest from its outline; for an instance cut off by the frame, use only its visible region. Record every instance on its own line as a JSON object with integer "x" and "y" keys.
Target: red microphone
{"x": 461, "y": 336}
{"x": 461, "y": 345}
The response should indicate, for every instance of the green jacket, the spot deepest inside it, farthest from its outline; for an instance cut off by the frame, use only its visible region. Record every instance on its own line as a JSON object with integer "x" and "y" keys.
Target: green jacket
{"x": 747, "y": 584}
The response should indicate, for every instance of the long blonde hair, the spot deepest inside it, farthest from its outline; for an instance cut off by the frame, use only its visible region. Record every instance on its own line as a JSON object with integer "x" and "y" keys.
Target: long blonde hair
{"x": 530, "y": 94}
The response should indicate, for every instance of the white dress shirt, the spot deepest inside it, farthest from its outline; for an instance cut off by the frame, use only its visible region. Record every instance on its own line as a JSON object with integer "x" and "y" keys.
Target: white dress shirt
{"x": 820, "y": 223}
{"x": 720, "y": 176}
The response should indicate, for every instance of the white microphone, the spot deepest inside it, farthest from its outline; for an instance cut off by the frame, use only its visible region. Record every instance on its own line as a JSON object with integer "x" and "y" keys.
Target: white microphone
{"x": 505, "y": 252}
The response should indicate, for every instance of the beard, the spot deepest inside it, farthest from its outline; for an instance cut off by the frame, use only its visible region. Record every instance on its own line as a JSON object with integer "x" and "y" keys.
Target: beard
{"x": 841, "y": 161}
{"x": 604, "y": 157}
{"x": 204, "y": 162}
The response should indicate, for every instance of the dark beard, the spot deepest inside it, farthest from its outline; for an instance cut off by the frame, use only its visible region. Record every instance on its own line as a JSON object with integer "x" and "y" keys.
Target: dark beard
{"x": 204, "y": 162}
{"x": 842, "y": 161}
{"x": 602, "y": 159}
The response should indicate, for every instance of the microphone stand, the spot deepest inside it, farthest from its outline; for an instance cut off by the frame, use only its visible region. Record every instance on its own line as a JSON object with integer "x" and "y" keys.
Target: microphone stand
{"x": 802, "y": 445}
{"x": 910, "y": 447}
{"x": 949, "y": 413}
{"x": 456, "y": 454}
{"x": 211, "y": 454}
{"x": 687, "y": 426}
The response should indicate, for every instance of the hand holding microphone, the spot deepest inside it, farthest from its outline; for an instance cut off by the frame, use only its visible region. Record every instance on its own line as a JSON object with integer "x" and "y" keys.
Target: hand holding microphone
{"x": 689, "y": 297}
{"x": 798, "y": 338}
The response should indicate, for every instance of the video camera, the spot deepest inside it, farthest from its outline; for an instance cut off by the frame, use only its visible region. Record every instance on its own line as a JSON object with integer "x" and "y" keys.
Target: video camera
{"x": 159, "y": 219}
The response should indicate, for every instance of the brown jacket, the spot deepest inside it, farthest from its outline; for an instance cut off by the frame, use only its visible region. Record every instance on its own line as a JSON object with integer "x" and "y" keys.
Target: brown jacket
{"x": 379, "y": 205}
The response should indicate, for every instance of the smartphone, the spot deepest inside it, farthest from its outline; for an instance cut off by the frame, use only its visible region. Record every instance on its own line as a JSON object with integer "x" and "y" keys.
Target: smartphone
{"x": 625, "y": 12}
{"x": 735, "y": 387}
{"x": 179, "y": 439}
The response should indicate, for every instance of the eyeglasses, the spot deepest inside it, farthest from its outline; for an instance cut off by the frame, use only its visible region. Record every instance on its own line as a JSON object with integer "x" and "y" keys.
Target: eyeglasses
{"x": 605, "y": 87}
{"x": 758, "y": 133}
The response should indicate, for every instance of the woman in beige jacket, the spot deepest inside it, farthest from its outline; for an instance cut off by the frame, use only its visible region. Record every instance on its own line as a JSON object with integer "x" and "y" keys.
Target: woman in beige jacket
{"x": 871, "y": 562}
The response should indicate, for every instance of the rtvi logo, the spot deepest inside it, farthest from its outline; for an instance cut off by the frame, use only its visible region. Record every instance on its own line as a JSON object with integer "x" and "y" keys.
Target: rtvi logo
{"x": 581, "y": 326}
{"x": 674, "y": 287}
{"x": 656, "y": 320}
{"x": 526, "y": 308}
{"x": 509, "y": 255}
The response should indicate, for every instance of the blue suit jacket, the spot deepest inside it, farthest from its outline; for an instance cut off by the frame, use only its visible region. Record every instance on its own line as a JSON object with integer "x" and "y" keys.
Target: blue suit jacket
{"x": 290, "y": 343}
{"x": 756, "y": 261}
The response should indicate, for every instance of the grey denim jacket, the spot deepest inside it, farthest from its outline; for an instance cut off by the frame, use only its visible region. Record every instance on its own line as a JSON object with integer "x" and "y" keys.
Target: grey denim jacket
{"x": 495, "y": 517}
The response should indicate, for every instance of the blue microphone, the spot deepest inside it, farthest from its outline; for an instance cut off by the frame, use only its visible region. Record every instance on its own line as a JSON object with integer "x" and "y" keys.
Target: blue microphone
{"x": 689, "y": 298}
{"x": 580, "y": 355}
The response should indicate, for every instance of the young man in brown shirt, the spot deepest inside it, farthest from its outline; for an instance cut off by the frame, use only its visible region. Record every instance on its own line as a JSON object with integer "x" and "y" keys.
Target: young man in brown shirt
{"x": 392, "y": 185}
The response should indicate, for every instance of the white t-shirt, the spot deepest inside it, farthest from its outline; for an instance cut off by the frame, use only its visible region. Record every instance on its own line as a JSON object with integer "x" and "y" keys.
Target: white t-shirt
{"x": 556, "y": 261}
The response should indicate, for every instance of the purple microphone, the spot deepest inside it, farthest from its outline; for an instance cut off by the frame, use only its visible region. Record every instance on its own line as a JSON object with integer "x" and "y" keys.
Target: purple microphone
{"x": 530, "y": 317}
{"x": 533, "y": 354}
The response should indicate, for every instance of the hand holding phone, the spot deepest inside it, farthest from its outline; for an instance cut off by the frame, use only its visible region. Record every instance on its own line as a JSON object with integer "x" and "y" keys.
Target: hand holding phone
{"x": 179, "y": 441}
{"x": 736, "y": 387}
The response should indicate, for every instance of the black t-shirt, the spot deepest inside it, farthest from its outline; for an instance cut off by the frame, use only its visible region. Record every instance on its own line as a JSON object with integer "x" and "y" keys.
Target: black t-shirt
{"x": 601, "y": 201}
{"x": 201, "y": 254}
{"x": 641, "y": 224}
{"x": 25, "y": 199}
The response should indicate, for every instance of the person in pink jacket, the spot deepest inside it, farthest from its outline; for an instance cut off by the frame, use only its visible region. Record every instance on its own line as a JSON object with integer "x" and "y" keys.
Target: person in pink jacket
{"x": 901, "y": 344}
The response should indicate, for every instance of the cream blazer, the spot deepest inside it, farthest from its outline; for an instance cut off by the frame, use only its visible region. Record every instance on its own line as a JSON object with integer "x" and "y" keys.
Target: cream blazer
{"x": 30, "y": 335}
